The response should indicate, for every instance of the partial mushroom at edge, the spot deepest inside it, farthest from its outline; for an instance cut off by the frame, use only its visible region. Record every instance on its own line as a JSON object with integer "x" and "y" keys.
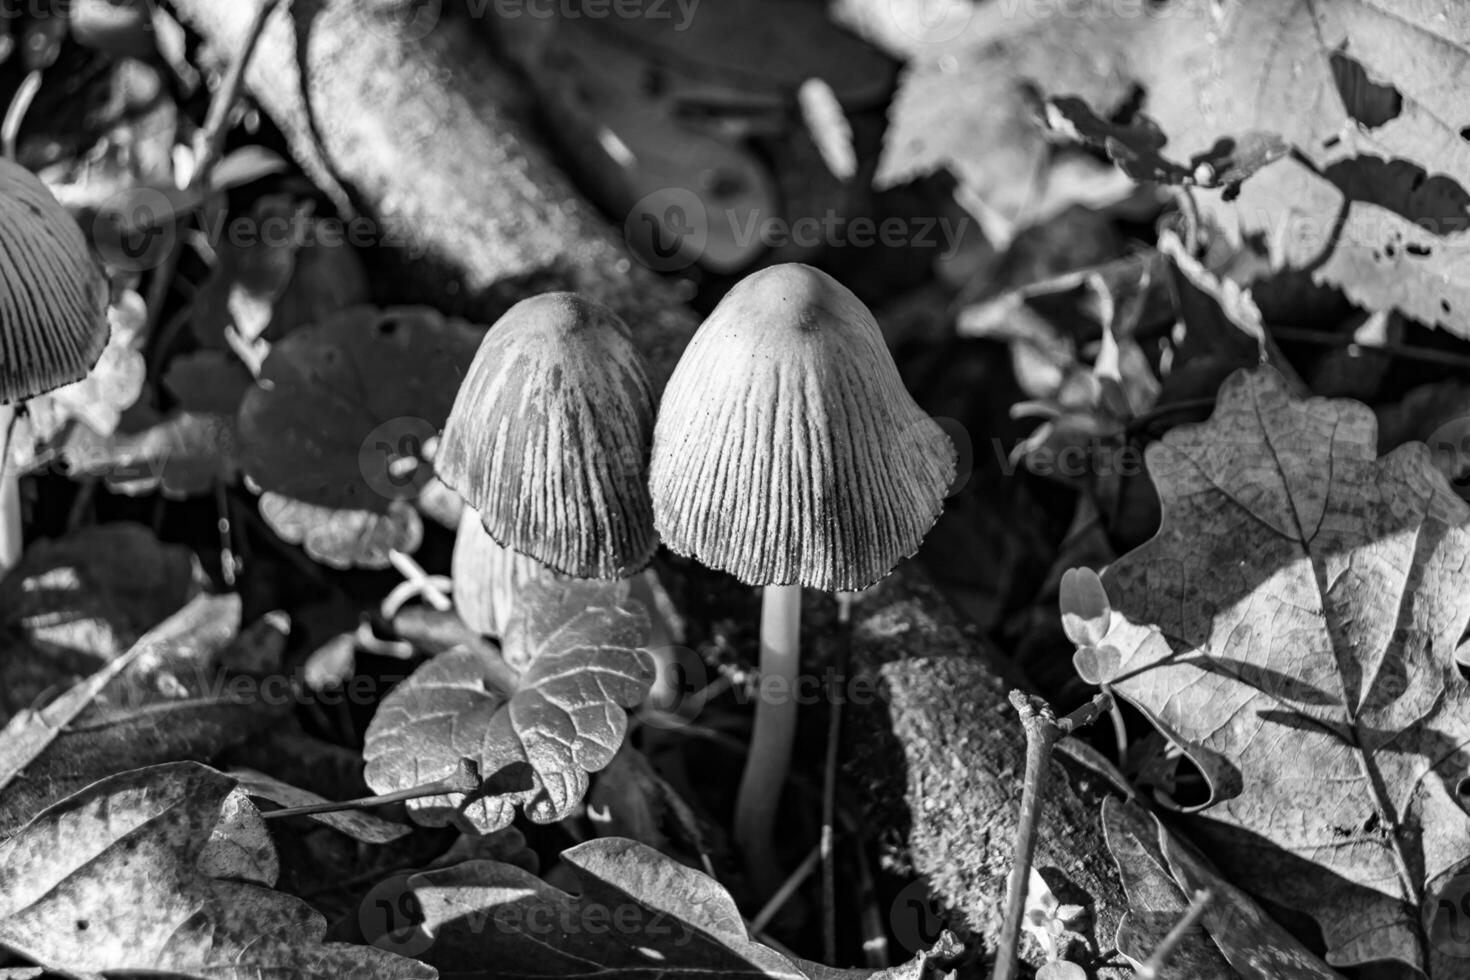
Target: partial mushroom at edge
{"x": 53, "y": 316}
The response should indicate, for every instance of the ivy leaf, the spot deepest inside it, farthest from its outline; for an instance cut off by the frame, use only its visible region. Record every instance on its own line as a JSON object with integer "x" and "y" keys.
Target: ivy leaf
{"x": 534, "y": 738}
{"x": 1293, "y": 626}
{"x": 338, "y": 424}
{"x": 116, "y": 879}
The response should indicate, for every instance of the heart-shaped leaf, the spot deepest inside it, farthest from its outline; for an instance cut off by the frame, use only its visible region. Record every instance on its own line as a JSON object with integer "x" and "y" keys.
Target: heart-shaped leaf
{"x": 1294, "y": 625}
{"x": 115, "y": 879}
{"x": 535, "y": 743}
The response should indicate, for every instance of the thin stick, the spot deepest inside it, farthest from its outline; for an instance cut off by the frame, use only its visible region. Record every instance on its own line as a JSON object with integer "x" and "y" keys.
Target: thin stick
{"x": 1412, "y": 352}
{"x": 208, "y": 145}
{"x": 463, "y": 782}
{"x": 1043, "y": 731}
{"x": 1151, "y": 968}
{"x": 788, "y": 888}
{"x": 211, "y": 139}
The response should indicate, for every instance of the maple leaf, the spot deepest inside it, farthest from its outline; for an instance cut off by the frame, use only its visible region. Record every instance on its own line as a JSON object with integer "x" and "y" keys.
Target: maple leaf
{"x": 563, "y": 720}
{"x": 1293, "y": 626}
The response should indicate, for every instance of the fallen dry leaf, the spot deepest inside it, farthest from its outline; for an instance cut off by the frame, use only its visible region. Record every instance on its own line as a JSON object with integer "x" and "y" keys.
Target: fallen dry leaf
{"x": 1294, "y": 625}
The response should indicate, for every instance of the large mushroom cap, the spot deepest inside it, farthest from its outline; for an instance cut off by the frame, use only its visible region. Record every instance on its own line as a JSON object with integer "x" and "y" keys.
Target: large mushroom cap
{"x": 549, "y": 438}
{"x": 53, "y": 297}
{"x": 787, "y": 448}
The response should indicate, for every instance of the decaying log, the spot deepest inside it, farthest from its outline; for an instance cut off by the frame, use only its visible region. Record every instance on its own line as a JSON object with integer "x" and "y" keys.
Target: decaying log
{"x": 398, "y": 104}
{"x": 431, "y": 139}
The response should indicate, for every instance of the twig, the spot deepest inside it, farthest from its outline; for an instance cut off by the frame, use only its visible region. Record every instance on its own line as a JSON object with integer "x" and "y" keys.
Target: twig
{"x": 211, "y": 139}
{"x": 465, "y": 781}
{"x": 1411, "y": 352}
{"x": 788, "y": 888}
{"x": 208, "y": 145}
{"x": 1043, "y": 731}
{"x": 1154, "y": 965}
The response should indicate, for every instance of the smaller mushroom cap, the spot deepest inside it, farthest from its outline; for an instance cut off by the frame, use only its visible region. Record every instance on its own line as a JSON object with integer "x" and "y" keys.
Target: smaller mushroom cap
{"x": 487, "y": 577}
{"x": 53, "y": 296}
{"x": 787, "y": 449}
{"x": 549, "y": 438}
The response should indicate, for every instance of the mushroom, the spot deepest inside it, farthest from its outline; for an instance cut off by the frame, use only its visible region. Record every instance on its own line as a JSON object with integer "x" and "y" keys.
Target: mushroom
{"x": 53, "y": 317}
{"x": 486, "y": 576}
{"x": 788, "y": 452}
{"x": 549, "y": 438}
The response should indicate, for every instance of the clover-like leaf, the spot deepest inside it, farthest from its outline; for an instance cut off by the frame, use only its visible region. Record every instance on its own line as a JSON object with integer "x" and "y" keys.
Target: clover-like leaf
{"x": 1293, "y": 626}
{"x": 536, "y": 742}
{"x": 117, "y": 879}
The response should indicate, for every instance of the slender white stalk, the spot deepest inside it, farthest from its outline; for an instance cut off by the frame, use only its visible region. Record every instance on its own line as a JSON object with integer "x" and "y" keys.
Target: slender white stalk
{"x": 10, "y": 529}
{"x": 775, "y": 729}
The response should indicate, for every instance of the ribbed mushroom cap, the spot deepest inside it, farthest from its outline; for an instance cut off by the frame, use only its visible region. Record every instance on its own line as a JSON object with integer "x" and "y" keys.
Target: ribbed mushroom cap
{"x": 787, "y": 448}
{"x": 53, "y": 297}
{"x": 549, "y": 438}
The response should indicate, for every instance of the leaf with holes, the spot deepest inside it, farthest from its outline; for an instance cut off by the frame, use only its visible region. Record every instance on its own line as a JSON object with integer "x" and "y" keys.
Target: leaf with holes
{"x": 337, "y": 426}
{"x": 1293, "y": 626}
{"x": 1375, "y": 196}
{"x": 128, "y": 876}
{"x": 535, "y": 743}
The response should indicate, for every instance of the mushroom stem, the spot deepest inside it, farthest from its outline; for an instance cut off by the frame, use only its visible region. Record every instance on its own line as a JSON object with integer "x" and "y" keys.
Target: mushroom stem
{"x": 10, "y": 529}
{"x": 775, "y": 730}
